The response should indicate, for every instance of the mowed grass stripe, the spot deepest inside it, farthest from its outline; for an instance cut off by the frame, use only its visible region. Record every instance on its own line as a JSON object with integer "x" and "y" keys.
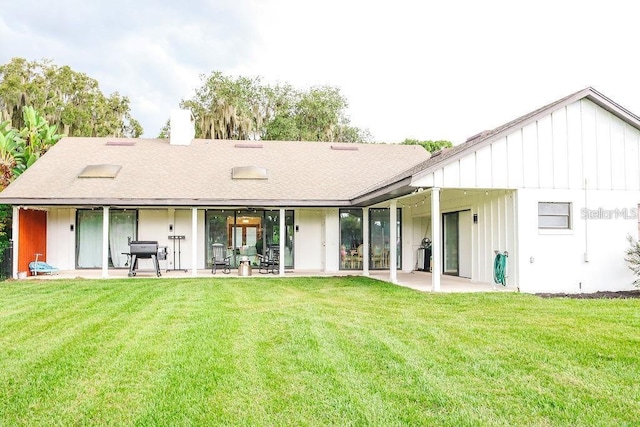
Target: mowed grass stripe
{"x": 128, "y": 373}
{"x": 88, "y": 342}
{"x": 310, "y": 351}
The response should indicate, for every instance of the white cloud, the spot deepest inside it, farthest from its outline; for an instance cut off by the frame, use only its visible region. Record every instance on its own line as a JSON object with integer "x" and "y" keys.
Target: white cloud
{"x": 428, "y": 70}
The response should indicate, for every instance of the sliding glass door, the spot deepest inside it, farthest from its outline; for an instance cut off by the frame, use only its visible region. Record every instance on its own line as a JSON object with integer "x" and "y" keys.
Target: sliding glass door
{"x": 89, "y": 239}
{"x": 272, "y": 234}
{"x": 451, "y": 243}
{"x": 122, "y": 228}
{"x": 248, "y": 233}
{"x": 379, "y": 236}
{"x": 351, "y": 239}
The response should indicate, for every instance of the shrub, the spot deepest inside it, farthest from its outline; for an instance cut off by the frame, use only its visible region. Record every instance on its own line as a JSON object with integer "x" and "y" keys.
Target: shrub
{"x": 633, "y": 258}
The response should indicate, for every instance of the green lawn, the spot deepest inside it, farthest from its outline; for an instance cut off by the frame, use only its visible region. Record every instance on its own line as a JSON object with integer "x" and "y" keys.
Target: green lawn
{"x": 307, "y": 351}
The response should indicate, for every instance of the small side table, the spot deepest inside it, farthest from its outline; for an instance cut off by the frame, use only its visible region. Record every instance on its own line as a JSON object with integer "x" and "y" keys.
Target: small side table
{"x": 244, "y": 269}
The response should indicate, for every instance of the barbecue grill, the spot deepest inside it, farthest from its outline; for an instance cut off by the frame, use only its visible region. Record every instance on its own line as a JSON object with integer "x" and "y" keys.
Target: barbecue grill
{"x": 141, "y": 249}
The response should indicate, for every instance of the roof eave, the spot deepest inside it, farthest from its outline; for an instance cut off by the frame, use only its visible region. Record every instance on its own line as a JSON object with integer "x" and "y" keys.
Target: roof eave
{"x": 397, "y": 189}
{"x": 95, "y": 202}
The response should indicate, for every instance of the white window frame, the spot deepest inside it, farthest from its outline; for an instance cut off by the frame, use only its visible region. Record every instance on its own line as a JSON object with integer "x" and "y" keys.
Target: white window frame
{"x": 556, "y": 215}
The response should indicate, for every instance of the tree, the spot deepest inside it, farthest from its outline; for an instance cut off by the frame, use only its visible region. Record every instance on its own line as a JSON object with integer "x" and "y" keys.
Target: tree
{"x": 68, "y": 99}
{"x": 226, "y": 107}
{"x": 280, "y": 114}
{"x": 632, "y": 257}
{"x": 244, "y": 108}
{"x": 430, "y": 146}
{"x": 320, "y": 114}
{"x": 18, "y": 151}
{"x": 35, "y": 138}
{"x": 39, "y": 98}
{"x": 8, "y": 153}
{"x": 8, "y": 161}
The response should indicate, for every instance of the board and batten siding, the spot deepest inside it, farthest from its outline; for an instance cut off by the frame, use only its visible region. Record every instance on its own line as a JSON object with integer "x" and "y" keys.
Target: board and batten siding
{"x": 578, "y": 142}
{"x": 580, "y": 154}
{"x": 495, "y": 229}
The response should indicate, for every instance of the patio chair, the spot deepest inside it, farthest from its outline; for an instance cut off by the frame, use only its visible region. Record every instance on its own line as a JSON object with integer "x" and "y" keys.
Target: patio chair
{"x": 357, "y": 258}
{"x": 344, "y": 257}
{"x": 376, "y": 257}
{"x": 36, "y": 267}
{"x": 220, "y": 258}
{"x": 269, "y": 263}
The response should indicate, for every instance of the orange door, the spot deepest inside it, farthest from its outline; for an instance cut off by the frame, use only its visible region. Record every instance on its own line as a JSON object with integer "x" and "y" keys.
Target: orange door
{"x": 32, "y": 237}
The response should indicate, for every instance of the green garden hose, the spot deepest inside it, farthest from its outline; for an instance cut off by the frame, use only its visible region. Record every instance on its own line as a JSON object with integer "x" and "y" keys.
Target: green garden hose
{"x": 500, "y": 268}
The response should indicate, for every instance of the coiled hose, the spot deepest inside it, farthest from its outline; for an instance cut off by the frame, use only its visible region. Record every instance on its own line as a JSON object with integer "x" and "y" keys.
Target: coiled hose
{"x": 500, "y": 269}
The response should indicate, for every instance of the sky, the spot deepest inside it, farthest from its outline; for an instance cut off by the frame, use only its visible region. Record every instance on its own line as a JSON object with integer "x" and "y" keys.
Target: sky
{"x": 426, "y": 69}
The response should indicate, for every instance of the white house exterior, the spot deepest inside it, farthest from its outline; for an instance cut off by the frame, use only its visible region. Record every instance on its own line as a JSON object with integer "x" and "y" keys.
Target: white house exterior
{"x": 582, "y": 151}
{"x": 556, "y": 189}
{"x": 244, "y": 194}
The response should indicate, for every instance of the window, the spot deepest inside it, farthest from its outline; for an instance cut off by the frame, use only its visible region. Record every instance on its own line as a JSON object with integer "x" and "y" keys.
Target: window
{"x": 248, "y": 232}
{"x": 379, "y": 235}
{"x": 554, "y": 215}
{"x": 351, "y": 239}
{"x": 123, "y": 226}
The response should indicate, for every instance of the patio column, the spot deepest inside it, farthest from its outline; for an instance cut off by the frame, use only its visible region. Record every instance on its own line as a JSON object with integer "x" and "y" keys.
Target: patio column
{"x": 283, "y": 236}
{"x": 105, "y": 242}
{"x": 393, "y": 239}
{"x": 16, "y": 241}
{"x": 436, "y": 249}
{"x": 194, "y": 242}
{"x": 365, "y": 241}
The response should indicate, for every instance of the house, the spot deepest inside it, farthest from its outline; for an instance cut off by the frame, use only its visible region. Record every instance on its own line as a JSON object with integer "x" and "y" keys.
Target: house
{"x": 557, "y": 190}
{"x": 86, "y": 198}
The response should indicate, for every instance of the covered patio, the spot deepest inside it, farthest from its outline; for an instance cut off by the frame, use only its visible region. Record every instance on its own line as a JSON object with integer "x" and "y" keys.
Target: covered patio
{"x": 418, "y": 280}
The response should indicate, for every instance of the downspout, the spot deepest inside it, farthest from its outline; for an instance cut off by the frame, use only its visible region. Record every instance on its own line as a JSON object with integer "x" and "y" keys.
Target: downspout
{"x": 586, "y": 226}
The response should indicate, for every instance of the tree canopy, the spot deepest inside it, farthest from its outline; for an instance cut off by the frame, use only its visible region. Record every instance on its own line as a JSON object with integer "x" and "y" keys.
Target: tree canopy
{"x": 430, "y": 146}
{"x": 68, "y": 99}
{"x": 19, "y": 149}
{"x": 228, "y": 107}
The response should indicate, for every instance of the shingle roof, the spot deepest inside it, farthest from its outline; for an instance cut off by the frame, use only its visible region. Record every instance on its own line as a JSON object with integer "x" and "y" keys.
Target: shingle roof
{"x": 156, "y": 173}
{"x": 440, "y": 159}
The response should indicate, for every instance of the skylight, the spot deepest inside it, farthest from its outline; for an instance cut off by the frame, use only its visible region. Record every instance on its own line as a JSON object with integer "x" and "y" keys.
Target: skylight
{"x": 344, "y": 147}
{"x": 121, "y": 143}
{"x": 249, "y": 172}
{"x": 100, "y": 171}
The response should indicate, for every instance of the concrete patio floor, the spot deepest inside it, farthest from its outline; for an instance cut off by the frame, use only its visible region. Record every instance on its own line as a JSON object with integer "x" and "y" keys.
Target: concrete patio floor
{"x": 417, "y": 280}
{"x": 421, "y": 281}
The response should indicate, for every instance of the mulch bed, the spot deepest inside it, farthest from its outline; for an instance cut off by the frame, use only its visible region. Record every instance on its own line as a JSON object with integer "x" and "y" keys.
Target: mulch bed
{"x": 596, "y": 295}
